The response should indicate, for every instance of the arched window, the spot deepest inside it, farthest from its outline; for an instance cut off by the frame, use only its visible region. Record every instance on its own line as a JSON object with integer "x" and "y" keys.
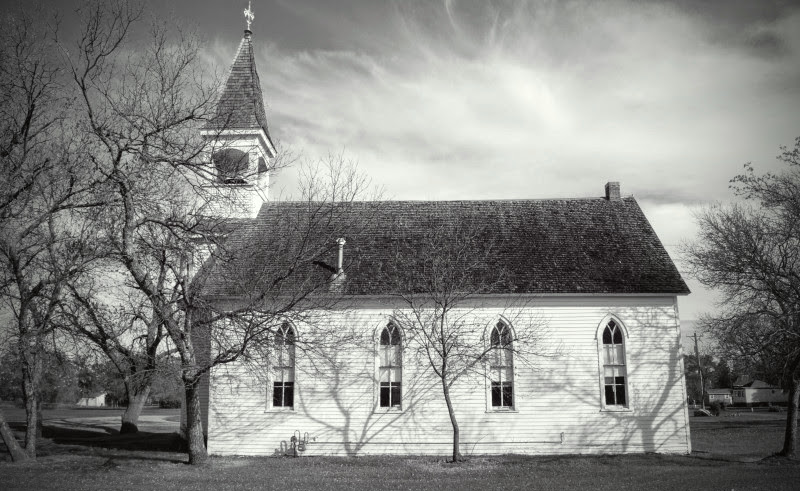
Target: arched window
{"x": 615, "y": 393}
{"x": 283, "y": 367}
{"x": 390, "y": 366}
{"x": 501, "y": 369}
{"x": 231, "y": 165}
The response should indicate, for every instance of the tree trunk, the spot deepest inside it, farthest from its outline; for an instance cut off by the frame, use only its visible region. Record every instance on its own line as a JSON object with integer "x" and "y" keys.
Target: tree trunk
{"x": 790, "y": 436}
{"x": 136, "y": 401}
{"x": 453, "y": 421}
{"x": 13, "y": 446}
{"x": 31, "y": 421}
{"x": 39, "y": 420}
{"x": 29, "y": 392}
{"x": 194, "y": 423}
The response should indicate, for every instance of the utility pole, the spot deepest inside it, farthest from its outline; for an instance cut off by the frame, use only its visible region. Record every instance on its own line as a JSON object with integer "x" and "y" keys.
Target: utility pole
{"x": 700, "y": 372}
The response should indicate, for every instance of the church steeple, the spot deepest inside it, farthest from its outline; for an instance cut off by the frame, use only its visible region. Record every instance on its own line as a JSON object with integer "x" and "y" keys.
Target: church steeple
{"x": 241, "y": 147}
{"x": 241, "y": 103}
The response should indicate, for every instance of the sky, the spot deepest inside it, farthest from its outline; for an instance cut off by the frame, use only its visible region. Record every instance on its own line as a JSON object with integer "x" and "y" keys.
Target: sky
{"x": 539, "y": 99}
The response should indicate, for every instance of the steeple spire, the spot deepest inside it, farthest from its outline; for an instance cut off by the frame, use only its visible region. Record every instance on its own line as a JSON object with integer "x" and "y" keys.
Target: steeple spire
{"x": 241, "y": 147}
{"x": 241, "y": 103}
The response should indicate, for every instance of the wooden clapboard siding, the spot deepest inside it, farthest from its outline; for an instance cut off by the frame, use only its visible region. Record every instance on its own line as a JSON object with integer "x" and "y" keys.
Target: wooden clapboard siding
{"x": 557, "y": 400}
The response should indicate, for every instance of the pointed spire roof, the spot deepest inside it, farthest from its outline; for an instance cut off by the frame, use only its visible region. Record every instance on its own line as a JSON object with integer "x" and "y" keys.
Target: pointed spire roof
{"x": 241, "y": 103}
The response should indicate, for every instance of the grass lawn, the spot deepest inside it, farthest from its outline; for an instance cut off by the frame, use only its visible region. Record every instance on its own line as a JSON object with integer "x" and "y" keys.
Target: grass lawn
{"x": 738, "y": 435}
{"x": 730, "y": 453}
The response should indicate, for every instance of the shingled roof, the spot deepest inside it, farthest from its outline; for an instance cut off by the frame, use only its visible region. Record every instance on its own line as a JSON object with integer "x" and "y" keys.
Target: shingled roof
{"x": 241, "y": 103}
{"x": 593, "y": 245}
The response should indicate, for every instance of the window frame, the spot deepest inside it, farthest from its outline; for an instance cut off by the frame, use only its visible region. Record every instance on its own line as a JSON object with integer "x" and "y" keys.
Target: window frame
{"x": 378, "y": 346}
{"x": 490, "y": 368}
{"x": 601, "y": 365}
{"x": 272, "y": 379}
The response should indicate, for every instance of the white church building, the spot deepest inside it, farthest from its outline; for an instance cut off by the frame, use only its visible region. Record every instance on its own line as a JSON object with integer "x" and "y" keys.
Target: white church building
{"x": 590, "y": 274}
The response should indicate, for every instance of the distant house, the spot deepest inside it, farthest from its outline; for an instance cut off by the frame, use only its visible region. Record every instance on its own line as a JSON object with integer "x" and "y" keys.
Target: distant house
{"x": 95, "y": 399}
{"x": 756, "y": 392}
{"x": 724, "y": 396}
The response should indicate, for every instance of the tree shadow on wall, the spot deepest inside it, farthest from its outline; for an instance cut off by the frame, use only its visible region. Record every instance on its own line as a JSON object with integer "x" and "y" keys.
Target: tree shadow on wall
{"x": 655, "y": 418}
{"x": 335, "y": 406}
{"x": 356, "y": 419}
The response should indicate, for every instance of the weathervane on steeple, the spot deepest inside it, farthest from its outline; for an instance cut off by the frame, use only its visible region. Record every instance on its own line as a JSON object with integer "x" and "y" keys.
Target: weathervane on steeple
{"x": 248, "y": 15}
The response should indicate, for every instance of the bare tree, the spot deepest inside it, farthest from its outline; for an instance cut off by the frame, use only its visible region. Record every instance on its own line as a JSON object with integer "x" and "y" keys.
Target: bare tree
{"x": 144, "y": 106}
{"x": 750, "y": 251}
{"x": 43, "y": 189}
{"x": 125, "y": 329}
{"x": 750, "y": 349}
{"x": 132, "y": 144}
{"x": 439, "y": 275}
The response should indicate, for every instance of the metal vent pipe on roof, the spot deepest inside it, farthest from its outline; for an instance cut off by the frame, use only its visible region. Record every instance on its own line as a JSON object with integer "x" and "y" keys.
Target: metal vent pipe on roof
{"x": 339, "y": 268}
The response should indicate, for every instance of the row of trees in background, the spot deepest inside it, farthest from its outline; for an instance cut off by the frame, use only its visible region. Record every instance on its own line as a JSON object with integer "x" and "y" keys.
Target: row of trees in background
{"x": 750, "y": 252}
{"x": 67, "y": 378}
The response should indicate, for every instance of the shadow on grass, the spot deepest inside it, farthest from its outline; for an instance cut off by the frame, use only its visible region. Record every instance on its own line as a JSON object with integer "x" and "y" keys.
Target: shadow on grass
{"x": 729, "y": 424}
{"x": 141, "y": 441}
{"x": 143, "y": 446}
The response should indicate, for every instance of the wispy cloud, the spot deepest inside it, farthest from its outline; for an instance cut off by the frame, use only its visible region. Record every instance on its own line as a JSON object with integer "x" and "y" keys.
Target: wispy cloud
{"x": 551, "y": 98}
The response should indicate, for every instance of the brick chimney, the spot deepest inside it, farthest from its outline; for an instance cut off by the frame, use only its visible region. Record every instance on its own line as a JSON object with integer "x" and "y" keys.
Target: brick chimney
{"x": 612, "y": 190}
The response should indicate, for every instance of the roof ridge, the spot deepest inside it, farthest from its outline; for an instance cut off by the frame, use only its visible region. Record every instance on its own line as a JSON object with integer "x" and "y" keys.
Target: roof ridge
{"x": 489, "y": 200}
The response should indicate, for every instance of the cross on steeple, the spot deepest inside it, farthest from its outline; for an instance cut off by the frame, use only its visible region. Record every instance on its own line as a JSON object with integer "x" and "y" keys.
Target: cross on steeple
{"x": 248, "y": 15}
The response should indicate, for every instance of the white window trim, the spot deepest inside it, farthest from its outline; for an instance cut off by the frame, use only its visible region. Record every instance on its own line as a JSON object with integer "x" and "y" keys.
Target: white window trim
{"x": 628, "y": 407}
{"x": 487, "y": 367}
{"x": 376, "y": 346}
{"x": 271, "y": 382}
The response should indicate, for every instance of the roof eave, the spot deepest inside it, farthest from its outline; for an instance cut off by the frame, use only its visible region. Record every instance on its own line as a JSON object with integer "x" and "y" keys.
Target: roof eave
{"x": 262, "y": 135}
{"x": 503, "y": 296}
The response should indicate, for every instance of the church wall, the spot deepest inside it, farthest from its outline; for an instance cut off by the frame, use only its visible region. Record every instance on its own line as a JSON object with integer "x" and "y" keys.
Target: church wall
{"x": 557, "y": 403}
{"x": 233, "y": 201}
